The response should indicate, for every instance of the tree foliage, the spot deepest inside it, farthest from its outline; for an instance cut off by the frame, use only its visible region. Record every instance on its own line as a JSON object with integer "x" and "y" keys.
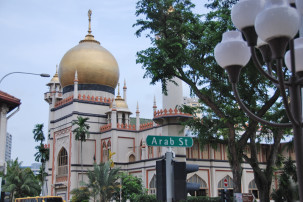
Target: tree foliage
{"x": 103, "y": 181}
{"x": 81, "y": 194}
{"x": 132, "y": 186}
{"x": 20, "y": 182}
{"x": 42, "y": 154}
{"x": 81, "y": 133}
{"x": 182, "y": 44}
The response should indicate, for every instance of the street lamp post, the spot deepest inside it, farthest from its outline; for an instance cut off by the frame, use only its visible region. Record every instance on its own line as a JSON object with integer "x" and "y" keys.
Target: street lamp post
{"x": 270, "y": 26}
{"x": 42, "y": 75}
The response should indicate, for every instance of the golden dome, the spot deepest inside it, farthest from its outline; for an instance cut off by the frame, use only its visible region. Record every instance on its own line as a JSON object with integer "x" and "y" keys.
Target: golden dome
{"x": 120, "y": 103}
{"x": 93, "y": 63}
{"x": 55, "y": 78}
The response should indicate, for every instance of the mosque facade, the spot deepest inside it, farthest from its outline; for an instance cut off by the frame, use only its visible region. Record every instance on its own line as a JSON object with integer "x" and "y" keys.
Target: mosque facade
{"x": 84, "y": 85}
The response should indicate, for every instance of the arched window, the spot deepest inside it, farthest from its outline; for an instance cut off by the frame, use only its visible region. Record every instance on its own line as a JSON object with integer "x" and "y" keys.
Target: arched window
{"x": 150, "y": 152}
{"x": 104, "y": 152}
{"x": 131, "y": 158}
{"x": 152, "y": 185}
{"x": 62, "y": 163}
{"x": 230, "y": 185}
{"x": 203, "y": 191}
{"x": 252, "y": 188}
{"x": 141, "y": 150}
{"x": 108, "y": 148}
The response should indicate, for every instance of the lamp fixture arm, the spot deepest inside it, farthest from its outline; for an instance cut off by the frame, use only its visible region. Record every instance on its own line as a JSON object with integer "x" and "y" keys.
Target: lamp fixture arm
{"x": 252, "y": 115}
{"x": 261, "y": 70}
{"x": 42, "y": 75}
{"x": 283, "y": 92}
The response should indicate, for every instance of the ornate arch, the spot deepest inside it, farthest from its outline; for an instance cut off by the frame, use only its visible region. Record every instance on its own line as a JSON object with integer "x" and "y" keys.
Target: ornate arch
{"x": 230, "y": 183}
{"x": 196, "y": 179}
{"x": 153, "y": 185}
{"x": 62, "y": 161}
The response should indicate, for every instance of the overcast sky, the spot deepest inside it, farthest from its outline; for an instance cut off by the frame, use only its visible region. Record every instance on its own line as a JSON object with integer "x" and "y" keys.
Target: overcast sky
{"x": 34, "y": 37}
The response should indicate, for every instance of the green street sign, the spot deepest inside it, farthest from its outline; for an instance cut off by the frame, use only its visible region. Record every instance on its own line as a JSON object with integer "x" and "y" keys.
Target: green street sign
{"x": 169, "y": 141}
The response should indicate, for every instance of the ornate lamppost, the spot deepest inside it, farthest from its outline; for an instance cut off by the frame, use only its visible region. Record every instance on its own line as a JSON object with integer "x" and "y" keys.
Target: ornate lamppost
{"x": 273, "y": 24}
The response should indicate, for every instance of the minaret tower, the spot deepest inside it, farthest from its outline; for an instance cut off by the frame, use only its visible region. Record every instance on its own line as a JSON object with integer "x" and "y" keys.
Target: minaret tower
{"x": 170, "y": 117}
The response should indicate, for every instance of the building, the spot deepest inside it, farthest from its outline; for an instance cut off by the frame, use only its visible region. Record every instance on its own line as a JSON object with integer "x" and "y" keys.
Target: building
{"x": 7, "y": 104}
{"x": 85, "y": 85}
{"x": 8, "y": 148}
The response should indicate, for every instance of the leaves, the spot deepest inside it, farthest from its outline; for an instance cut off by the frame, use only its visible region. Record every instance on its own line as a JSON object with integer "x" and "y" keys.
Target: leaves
{"x": 20, "y": 182}
{"x": 103, "y": 180}
{"x": 82, "y": 130}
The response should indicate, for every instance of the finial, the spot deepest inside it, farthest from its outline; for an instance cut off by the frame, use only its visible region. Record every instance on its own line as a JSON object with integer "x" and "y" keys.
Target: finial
{"x": 137, "y": 107}
{"x": 89, "y": 21}
{"x": 76, "y": 76}
{"x": 124, "y": 87}
{"x": 56, "y": 68}
{"x": 155, "y": 105}
{"x": 118, "y": 89}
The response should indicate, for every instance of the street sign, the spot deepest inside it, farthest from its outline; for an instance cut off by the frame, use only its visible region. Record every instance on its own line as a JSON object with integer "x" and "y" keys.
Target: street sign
{"x": 169, "y": 141}
{"x": 225, "y": 182}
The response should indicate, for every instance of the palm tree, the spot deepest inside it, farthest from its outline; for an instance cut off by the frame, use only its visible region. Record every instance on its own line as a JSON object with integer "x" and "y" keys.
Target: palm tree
{"x": 42, "y": 154}
{"x": 20, "y": 182}
{"x": 38, "y": 133}
{"x": 81, "y": 133}
{"x": 103, "y": 181}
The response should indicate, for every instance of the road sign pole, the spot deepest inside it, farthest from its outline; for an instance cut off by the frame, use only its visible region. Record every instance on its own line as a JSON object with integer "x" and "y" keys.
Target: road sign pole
{"x": 169, "y": 175}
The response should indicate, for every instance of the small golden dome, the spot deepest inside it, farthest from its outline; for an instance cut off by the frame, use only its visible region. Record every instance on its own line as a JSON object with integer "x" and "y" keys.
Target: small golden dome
{"x": 55, "y": 78}
{"x": 120, "y": 103}
{"x": 93, "y": 63}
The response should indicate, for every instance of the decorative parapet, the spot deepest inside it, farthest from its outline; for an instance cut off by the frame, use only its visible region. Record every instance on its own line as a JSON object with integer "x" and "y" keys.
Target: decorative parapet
{"x": 64, "y": 101}
{"x": 105, "y": 128}
{"x": 126, "y": 126}
{"x": 170, "y": 112}
{"x": 146, "y": 125}
{"x": 95, "y": 99}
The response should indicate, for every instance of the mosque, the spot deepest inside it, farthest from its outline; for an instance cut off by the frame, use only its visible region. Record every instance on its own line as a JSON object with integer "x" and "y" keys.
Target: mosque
{"x": 85, "y": 85}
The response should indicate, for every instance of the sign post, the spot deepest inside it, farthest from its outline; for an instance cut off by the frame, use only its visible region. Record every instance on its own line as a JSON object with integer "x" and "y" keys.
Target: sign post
{"x": 169, "y": 141}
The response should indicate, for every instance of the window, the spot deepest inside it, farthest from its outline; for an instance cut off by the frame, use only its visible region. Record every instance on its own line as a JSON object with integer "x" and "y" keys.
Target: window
{"x": 131, "y": 158}
{"x": 230, "y": 185}
{"x": 150, "y": 152}
{"x": 195, "y": 151}
{"x": 203, "y": 191}
{"x": 252, "y": 188}
{"x": 152, "y": 185}
{"x": 104, "y": 153}
{"x": 62, "y": 163}
{"x": 141, "y": 150}
{"x": 108, "y": 149}
{"x": 218, "y": 152}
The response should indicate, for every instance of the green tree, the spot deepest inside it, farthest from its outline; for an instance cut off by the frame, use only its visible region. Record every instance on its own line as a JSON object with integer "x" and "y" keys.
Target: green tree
{"x": 42, "y": 154}
{"x": 20, "y": 182}
{"x": 132, "y": 186}
{"x": 81, "y": 133}
{"x": 38, "y": 133}
{"x": 287, "y": 190}
{"x": 103, "y": 180}
{"x": 182, "y": 45}
{"x": 81, "y": 194}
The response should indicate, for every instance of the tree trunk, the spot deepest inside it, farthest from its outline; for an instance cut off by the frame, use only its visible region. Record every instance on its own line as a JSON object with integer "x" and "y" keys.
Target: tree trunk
{"x": 235, "y": 161}
{"x": 81, "y": 164}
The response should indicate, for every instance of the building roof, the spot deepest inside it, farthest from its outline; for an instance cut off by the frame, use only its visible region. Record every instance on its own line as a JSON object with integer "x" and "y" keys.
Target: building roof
{"x": 11, "y": 101}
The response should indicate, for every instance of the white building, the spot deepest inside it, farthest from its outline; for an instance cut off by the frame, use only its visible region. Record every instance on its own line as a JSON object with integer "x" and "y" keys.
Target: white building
{"x": 85, "y": 86}
{"x": 8, "y": 148}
